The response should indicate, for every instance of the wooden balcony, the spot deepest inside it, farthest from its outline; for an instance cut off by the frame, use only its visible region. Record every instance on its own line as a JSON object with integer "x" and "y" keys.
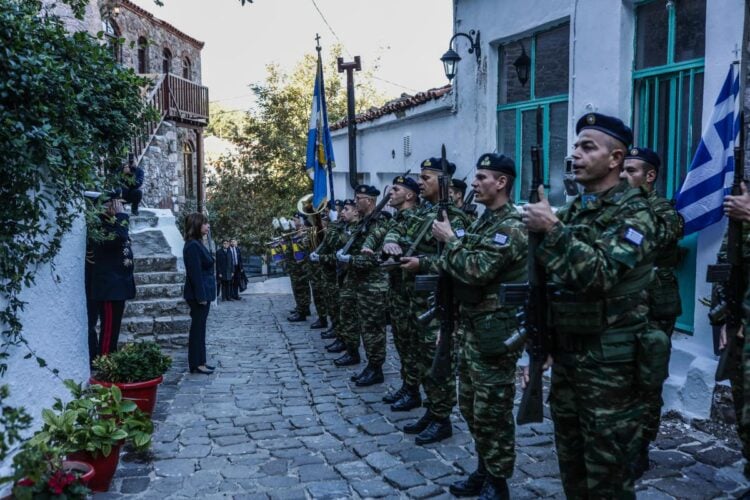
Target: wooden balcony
{"x": 181, "y": 100}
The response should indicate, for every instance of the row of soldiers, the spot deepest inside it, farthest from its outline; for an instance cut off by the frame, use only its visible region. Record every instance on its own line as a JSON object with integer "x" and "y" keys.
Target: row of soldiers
{"x": 609, "y": 256}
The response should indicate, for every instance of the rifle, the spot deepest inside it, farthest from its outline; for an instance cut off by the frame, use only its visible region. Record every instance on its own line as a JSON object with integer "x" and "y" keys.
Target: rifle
{"x": 362, "y": 229}
{"x": 732, "y": 273}
{"x": 469, "y": 207}
{"x": 535, "y": 314}
{"x": 441, "y": 364}
{"x": 392, "y": 263}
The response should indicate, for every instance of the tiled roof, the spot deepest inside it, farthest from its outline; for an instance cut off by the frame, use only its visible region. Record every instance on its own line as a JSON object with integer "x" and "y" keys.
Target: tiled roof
{"x": 162, "y": 24}
{"x": 400, "y": 104}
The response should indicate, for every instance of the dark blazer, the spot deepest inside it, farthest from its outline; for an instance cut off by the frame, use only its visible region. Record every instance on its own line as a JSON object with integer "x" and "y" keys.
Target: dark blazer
{"x": 200, "y": 281}
{"x": 223, "y": 264}
{"x": 133, "y": 180}
{"x": 239, "y": 255}
{"x": 110, "y": 272}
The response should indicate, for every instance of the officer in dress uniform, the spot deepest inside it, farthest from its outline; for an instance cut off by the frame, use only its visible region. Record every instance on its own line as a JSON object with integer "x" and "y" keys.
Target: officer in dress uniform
{"x": 598, "y": 252}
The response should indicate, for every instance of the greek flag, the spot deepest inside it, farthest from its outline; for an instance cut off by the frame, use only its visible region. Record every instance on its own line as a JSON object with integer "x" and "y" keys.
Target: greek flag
{"x": 319, "y": 145}
{"x": 711, "y": 173}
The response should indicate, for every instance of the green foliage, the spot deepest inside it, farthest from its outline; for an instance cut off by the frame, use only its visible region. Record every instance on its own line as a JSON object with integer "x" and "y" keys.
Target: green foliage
{"x": 95, "y": 420}
{"x": 67, "y": 113}
{"x": 267, "y": 177}
{"x": 12, "y": 422}
{"x": 134, "y": 362}
{"x": 39, "y": 472}
{"x": 187, "y": 208}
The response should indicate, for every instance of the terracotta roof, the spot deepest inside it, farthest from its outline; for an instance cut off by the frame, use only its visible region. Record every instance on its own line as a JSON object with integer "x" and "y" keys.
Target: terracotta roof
{"x": 158, "y": 22}
{"x": 400, "y": 104}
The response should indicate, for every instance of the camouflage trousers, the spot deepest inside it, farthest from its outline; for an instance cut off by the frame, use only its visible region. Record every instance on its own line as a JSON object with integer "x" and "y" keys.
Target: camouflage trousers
{"x": 347, "y": 322}
{"x": 441, "y": 395}
{"x": 596, "y": 413}
{"x": 315, "y": 272}
{"x": 363, "y": 303}
{"x": 330, "y": 292}
{"x": 740, "y": 384}
{"x": 652, "y": 400}
{"x": 300, "y": 285}
{"x": 486, "y": 388}
{"x": 402, "y": 329}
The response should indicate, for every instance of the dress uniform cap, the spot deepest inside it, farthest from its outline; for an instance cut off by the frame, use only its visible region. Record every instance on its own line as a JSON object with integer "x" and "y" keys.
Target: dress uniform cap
{"x": 366, "y": 190}
{"x": 497, "y": 162}
{"x": 349, "y": 202}
{"x": 458, "y": 184}
{"x": 645, "y": 154}
{"x": 407, "y": 182}
{"x": 436, "y": 164}
{"x": 613, "y": 127}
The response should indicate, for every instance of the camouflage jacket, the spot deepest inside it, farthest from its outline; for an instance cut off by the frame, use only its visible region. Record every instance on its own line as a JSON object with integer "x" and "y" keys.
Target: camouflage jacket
{"x": 364, "y": 267}
{"x": 334, "y": 238}
{"x": 407, "y": 231}
{"x": 664, "y": 293}
{"x": 601, "y": 254}
{"x": 493, "y": 251}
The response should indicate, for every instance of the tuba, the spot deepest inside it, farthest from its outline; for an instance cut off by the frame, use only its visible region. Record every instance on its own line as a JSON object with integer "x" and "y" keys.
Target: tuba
{"x": 313, "y": 215}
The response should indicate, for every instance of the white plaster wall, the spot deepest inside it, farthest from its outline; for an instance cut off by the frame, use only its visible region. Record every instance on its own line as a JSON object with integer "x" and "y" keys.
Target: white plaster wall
{"x": 55, "y": 325}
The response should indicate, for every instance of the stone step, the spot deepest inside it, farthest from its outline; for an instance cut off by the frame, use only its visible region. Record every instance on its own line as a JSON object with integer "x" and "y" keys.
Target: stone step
{"x": 141, "y": 326}
{"x": 159, "y": 278}
{"x": 143, "y": 220}
{"x": 155, "y": 263}
{"x": 156, "y": 307}
{"x": 158, "y": 291}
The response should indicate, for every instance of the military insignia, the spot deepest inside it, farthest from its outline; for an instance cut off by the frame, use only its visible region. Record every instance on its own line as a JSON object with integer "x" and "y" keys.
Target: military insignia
{"x": 486, "y": 162}
{"x": 500, "y": 239}
{"x": 427, "y": 163}
{"x": 460, "y": 233}
{"x": 591, "y": 119}
{"x": 399, "y": 179}
{"x": 633, "y": 236}
{"x": 634, "y": 152}
{"x": 127, "y": 262}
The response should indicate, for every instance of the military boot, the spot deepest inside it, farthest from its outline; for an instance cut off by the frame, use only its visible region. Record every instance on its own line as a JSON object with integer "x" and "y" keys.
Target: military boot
{"x": 375, "y": 376}
{"x": 410, "y": 400}
{"x": 438, "y": 430}
{"x": 393, "y": 396}
{"x": 348, "y": 359}
{"x": 419, "y": 425}
{"x": 336, "y": 346}
{"x": 298, "y": 316}
{"x": 321, "y": 322}
{"x": 494, "y": 488}
{"x": 472, "y": 485}
{"x": 328, "y": 334}
{"x": 361, "y": 374}
{"x": 641, "y": 464}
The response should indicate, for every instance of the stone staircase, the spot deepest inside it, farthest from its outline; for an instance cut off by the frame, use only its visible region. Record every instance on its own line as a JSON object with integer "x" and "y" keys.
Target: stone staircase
{"x": 158, "y": 311}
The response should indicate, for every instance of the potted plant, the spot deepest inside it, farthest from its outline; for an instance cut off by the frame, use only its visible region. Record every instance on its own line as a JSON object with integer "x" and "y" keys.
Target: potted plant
{"x": 137, "y": 369}
{"x": 39, "y": 471}
{"x": 92, "y": 427}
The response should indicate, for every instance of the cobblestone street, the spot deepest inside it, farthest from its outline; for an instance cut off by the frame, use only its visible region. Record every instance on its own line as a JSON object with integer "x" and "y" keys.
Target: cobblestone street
{"x": 278, "y": 420}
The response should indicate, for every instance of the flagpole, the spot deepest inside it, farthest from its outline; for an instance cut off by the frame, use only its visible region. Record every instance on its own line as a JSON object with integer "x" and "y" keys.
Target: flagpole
{"x": 325, "y": 111}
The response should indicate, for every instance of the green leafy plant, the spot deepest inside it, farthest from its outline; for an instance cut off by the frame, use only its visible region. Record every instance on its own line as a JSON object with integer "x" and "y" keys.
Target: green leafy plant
{"x": 134, "y": 362}
{"x": 95, "y": 421}
{"x": 12, "y": 422}
{"x": 39, "y": 472}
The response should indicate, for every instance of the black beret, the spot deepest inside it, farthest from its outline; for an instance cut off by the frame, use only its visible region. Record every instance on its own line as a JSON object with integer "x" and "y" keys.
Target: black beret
{"x": 349, "y": 202}
{"x": 407, "y": 182}
{"x": 367, "y": 190}
{"x": 437, "y": 165}
{"x": 497, "y": 162}
{"x": 645, "y": 154}
{"x": 613, "y": 127}
{"x": 458, "y": 184}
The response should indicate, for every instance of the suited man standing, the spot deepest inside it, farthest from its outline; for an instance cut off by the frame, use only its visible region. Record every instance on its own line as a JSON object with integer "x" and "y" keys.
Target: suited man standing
{"x": 224, "y": 270}
{"x": 235, "y": 257}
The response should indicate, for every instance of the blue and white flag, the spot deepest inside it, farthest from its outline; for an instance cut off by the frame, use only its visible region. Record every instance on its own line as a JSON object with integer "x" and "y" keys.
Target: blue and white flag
{"x": 319, "y": 144}
{"x": 711, "y": 173}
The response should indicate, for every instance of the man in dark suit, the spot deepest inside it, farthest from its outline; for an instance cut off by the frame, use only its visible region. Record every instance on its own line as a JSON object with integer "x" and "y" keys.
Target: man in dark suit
{"x": 224, "y": 270}
{"x": 235, "y": 257}
{"x": 132, "y": 180}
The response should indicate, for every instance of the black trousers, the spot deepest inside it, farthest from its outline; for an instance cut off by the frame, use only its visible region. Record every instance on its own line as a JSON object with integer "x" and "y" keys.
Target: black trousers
{"x": 236, "y": 283}
{"x": 197, "y": 339}
{"x": 132, "y": 196}
{"x": 225, "y": 289}
{"x": 108, "y": 314}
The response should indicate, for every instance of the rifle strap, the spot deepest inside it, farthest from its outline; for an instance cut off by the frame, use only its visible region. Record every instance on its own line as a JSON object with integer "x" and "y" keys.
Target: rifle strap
{"x": 426, "y": 224}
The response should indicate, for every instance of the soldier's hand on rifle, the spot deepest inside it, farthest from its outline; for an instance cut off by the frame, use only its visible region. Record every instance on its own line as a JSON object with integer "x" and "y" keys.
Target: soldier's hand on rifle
{"x": 442, "y": 230}
{"x": 367, "y": 251}
{"x": 525, "y": 377}
{"x": 539, "y": 217}
{"x": 392, "y": 249}
{"x": 738, "y": 207}
{"x": 342, "y": 257}
{"x": 723, "y": 335}
{"x": 410, "y": 264}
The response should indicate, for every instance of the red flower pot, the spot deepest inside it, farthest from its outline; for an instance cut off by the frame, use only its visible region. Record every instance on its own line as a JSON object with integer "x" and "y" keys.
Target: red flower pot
{"x": 104, "y": 467}
{"x": 84, "y": 469}
{"x": 143, "y": 394}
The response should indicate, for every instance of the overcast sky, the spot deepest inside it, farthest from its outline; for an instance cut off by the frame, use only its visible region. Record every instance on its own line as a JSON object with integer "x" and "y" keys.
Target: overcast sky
{"x": 409, "y": 36}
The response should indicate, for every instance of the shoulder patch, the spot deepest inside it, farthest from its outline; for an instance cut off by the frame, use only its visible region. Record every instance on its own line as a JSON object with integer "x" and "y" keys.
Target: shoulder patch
{"x": 500, "y": 239}
{"x": 633, "y": 236}
{"x": 460, "y": 233}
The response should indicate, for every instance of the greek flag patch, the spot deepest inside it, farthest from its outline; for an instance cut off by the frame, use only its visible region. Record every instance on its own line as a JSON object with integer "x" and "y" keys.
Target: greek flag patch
{"x": 633, "y": 236}
{"x": 500, "y": 238}
{"x": 460, "y": 233}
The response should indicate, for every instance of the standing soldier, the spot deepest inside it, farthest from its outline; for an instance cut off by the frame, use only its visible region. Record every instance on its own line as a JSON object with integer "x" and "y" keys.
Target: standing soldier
{"x": 457, "y": 191}
{"x": 369, "y": 282}
{"x": 642, "y": 170}
{"x": 435, "y": 424}
{"x": 331, "y": 236}
{"x": 295, "y": 264}
{"x": 598, "y": 252}
{"x": 493, "y": 252}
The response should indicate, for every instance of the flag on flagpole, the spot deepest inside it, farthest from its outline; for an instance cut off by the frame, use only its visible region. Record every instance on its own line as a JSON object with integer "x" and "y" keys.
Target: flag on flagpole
{"x": 319, "y": 144}
{"x": 711, "y": 172}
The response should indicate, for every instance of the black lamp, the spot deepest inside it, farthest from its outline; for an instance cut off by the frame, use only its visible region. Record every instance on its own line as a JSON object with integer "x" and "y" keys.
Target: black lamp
{"x": 450, "y": 58}
{"x": 523, "y": 66}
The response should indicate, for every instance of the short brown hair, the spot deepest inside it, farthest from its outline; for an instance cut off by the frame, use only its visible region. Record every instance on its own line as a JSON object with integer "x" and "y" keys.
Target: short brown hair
{"x": 193, "y": 223}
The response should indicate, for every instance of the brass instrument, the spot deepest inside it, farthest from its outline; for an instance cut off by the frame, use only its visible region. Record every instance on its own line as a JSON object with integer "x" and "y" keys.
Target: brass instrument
{"x": 313, "y": 214}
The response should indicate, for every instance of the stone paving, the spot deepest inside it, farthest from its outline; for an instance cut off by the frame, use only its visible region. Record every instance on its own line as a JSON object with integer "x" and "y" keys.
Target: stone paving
{"x": 278, "y": 420}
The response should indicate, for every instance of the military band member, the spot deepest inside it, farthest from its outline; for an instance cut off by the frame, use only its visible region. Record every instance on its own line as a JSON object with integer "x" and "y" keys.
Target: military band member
{"x": 295, "y": 266}
{"x": 598, "y": 253}
{"x": 642, "y": 170}
{"x": 492, "y": 252}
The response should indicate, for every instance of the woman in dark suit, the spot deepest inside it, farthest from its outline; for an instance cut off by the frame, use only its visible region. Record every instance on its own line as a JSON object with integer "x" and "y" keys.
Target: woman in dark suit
{"x": 200, "y": 289}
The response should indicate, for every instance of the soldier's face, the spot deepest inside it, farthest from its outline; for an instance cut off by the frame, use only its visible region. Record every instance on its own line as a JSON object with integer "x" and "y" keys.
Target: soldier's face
{"x": 456, "y": 195}
{"x": 428, "y": 184}
{"x": 637, "y": 173}
{"x": 346, "y": 213}
{"x": 364, "y": 203}
{"x": 487, "y": 186}
{"x": 593, "y": 160}
{"x": 398, "y": 196}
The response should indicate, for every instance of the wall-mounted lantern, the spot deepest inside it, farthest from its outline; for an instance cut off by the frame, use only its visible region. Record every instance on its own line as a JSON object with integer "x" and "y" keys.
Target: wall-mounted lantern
{"x": 450, "y": 58}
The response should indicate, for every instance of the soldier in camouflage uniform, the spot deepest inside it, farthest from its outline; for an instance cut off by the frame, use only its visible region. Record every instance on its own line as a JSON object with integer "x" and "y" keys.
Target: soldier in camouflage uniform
{"x": 404, "y": 198}
{"x": 369, "y": 282}
{"x": 435, "y": 424}
{"x": 296, "y": 267}
{"x": 598, "y": 252}
{"x": 641, "y": 170}
{"x": 492, "y": 252}
{"x": 327, "y": 269}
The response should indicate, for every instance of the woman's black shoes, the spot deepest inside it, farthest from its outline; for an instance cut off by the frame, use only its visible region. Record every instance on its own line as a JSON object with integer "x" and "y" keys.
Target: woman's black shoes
{"x": 212, "y": 368}
{"x": 204, "y": 371}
